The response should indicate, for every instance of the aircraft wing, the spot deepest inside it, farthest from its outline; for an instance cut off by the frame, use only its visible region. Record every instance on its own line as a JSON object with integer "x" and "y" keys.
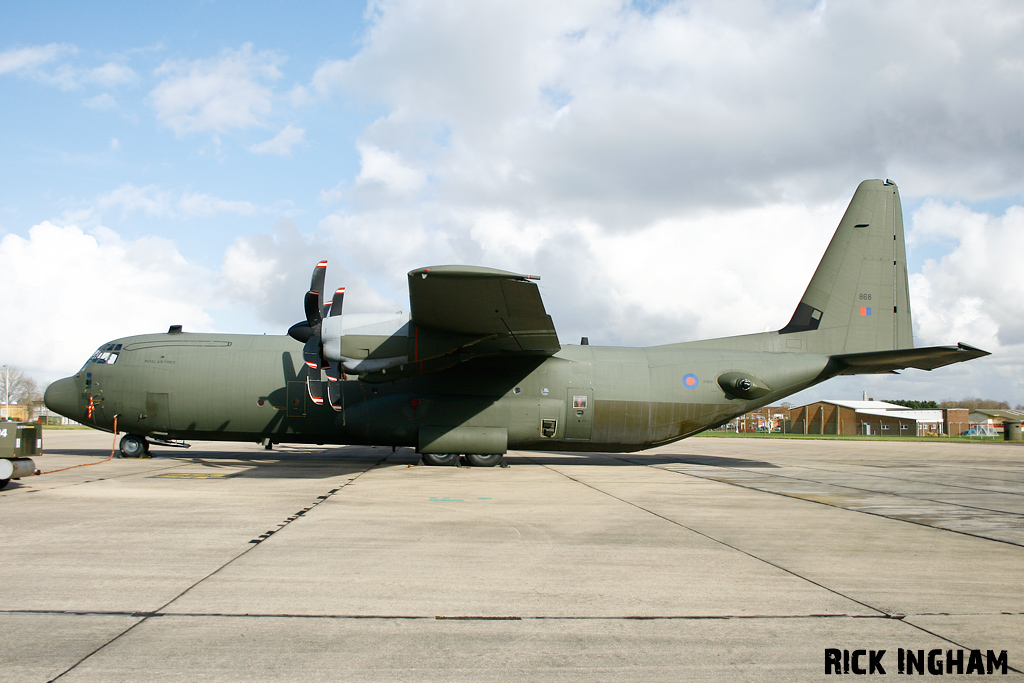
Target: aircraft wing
{"x": 462, "y": 312}
{"x": 927, "y": 358}
{"x": 494, "y": 310}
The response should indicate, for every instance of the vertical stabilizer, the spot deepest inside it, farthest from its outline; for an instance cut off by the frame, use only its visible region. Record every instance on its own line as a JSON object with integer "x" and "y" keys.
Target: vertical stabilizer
{"x": 857, "y": 301}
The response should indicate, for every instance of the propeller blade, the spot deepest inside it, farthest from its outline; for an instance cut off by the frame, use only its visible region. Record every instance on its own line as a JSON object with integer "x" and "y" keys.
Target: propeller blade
{"x": 312, "y": 305}
{"x": 311, "y": 352}
{"x": 315, "y": 388}
{"x": 334, "y": 390}
{"x": 334, "y": 387}
{"x": 314, "y": 301}
{"x": 336, "y": 373}
{"x": 316, "y": 284}
{"x": 335, "y": 306}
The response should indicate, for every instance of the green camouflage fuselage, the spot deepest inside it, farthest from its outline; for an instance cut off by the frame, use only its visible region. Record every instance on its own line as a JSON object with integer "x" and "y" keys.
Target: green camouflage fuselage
{"x": 252, "y": 388}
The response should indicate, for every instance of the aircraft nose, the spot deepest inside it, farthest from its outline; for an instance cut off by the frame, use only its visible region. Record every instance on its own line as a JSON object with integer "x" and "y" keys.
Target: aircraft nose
{"x": 63, "y": 397}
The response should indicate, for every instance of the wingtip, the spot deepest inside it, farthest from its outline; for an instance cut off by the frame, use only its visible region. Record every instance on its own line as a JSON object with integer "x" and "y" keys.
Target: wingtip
{"x": 974, "y": 351}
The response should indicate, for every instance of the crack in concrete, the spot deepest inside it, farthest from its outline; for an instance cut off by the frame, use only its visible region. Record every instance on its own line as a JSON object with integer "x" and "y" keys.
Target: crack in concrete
{"x": 145, "y": 616}
{"x": 792, "y": 496}
{"x": 902, "y": 618}
{"x": 457, "y": 617}
{"x": 786, "y": 477}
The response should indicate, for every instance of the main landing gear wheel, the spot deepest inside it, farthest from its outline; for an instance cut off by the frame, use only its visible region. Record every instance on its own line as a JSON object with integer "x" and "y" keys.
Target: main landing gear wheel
{"x": 133, "y": 446}
{"x": 439, "y": 459}
{"x": 477, "y": 460}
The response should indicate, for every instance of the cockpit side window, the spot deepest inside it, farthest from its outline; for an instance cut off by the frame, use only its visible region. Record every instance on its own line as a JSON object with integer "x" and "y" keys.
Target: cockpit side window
{"x": 106, "y": 355}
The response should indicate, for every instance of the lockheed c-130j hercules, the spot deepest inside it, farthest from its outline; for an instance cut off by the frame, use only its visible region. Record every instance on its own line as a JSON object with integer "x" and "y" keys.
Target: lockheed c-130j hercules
{"x": 476, "y": 368}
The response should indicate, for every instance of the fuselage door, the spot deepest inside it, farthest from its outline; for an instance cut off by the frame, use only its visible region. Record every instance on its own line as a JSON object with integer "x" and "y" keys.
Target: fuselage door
{"x": 297, "y": 394}
{"x": 579, "y": 420}
{"x": 158, "y": 411}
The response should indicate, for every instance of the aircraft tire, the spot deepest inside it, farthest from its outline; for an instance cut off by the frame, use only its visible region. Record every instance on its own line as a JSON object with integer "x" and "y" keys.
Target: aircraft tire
{"x": 133, "y": 446}
{"x": 439, "y": 459}
{"x": 477, "y": 460}
{"x": 4, "y": 483}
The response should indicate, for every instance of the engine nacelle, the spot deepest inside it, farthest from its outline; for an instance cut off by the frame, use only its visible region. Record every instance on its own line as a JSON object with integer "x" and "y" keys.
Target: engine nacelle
{"x": 366, "y": 342}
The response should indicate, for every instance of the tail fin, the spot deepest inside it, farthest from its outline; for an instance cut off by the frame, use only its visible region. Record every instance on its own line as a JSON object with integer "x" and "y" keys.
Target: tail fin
{"x": 857, "y": 301}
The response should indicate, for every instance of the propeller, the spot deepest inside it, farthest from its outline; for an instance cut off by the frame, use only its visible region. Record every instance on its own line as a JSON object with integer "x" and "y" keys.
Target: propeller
{"x": 309, "y": 332}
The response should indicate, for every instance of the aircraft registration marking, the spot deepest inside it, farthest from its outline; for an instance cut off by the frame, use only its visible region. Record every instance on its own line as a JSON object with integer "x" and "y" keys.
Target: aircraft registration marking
{"x": 193, "y": 475}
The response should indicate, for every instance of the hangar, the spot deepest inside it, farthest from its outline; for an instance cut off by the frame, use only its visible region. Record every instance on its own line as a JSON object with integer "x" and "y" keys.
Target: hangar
{"x": 994, "y": 417}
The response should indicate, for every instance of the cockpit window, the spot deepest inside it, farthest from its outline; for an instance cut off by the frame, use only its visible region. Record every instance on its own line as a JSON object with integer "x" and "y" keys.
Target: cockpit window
{"x": 106, "y": 355}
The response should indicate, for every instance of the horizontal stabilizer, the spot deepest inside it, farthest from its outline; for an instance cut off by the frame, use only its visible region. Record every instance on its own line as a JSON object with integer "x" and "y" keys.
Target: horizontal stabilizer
{"x": 927, "y": 358}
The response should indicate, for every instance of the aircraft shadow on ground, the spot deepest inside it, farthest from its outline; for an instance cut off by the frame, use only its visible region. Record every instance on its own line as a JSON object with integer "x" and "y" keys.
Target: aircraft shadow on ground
{"x": 626, "y": 459}
{"x": 293, "y": 463}
{"x": 86, "y": 452}
{"x": 291, "y": 468}
{"x": 319, "y": 463}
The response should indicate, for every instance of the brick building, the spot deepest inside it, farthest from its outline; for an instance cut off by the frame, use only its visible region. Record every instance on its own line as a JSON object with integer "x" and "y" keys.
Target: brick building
{"x": 14, "y": 411}
{"x": 875, "y": 418}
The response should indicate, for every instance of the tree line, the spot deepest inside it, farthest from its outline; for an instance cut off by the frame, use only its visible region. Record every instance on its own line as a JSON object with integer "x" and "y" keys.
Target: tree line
{"x": 971, "y": 403}
{"x": 23, "y": 389}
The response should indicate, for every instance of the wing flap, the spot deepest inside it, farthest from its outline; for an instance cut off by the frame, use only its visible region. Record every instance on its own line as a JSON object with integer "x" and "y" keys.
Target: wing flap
{"x": 927, "y": 358}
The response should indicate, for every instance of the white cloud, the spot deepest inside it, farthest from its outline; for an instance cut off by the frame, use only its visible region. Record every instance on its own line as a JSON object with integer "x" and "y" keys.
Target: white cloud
{"x": 103, "y": 101}
{"x": 158, "y": 202}
{"x": 972, "y": 294}
{"x": 299, "y": 96}
{"x": 88, "y": 282}
{"x": 386, "y": 172}
{"x": 198, "y": 204}
{"x": 151, "y": 200}
{"x": 328, "y": 78}
{"x": 282, "y": 143}
{"x": 28, "y": 59}
{"x": 974, "y": 291}
{"x": 37, "y": 63}
{"x": 219, "y": 94}
{"x": 600, "y": 108}
{"x": 111, "y": 74}
{"x": 271, "y": 272}
{"x": 335, "y": 194}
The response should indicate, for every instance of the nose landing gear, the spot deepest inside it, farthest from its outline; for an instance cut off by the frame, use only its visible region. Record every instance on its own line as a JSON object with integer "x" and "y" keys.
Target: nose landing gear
{"x": 134, "y": 446}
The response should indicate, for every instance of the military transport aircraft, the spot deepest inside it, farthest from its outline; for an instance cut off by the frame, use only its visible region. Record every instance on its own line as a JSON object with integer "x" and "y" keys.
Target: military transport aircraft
{"x": 476, "y": 368}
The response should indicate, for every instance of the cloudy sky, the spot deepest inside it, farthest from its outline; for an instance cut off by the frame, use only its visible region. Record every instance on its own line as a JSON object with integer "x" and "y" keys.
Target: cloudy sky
{"x": 673, "y": 170}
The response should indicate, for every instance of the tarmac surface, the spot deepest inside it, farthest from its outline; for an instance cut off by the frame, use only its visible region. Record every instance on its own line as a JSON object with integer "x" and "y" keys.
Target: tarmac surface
{"x": 709, "y": 559}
